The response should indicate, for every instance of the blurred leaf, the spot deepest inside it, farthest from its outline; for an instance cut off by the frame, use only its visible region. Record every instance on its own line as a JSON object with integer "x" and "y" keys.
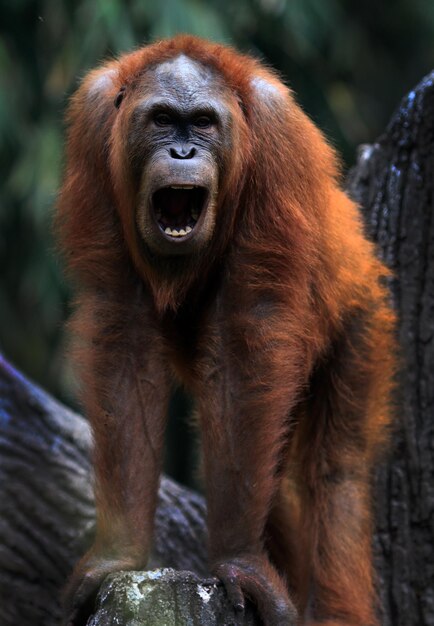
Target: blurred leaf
{"x": 190, "y": 16}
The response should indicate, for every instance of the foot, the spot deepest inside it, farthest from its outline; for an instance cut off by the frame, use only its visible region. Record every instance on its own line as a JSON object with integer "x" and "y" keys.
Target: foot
{"x": 253, "y": 577}
{"x": 82, "y": 589}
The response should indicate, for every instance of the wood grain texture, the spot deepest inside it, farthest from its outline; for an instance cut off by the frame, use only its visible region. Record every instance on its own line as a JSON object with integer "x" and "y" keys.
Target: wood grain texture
{"x": 393, "y": 181}
{"x": 47, "y": 510}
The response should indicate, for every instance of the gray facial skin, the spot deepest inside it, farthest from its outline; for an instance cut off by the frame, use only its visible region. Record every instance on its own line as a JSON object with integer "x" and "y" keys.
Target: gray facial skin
{"x": 179, "y": 144}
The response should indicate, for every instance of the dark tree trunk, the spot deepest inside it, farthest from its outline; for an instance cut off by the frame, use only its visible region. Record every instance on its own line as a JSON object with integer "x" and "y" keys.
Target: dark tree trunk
{"x": 47, "y": 510}
{"x": 394, "y": 182}
{"x": 46, "y": 501}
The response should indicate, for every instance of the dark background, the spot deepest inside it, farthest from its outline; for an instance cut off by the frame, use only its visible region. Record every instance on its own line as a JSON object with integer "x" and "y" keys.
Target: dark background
{"x": 350, "y": 61}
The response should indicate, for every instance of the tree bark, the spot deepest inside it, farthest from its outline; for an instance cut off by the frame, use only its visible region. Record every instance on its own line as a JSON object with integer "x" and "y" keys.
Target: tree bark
{"x": 46, "y": 500}
{"x": 393, "y": 181}
{"x": 47, "y": 509}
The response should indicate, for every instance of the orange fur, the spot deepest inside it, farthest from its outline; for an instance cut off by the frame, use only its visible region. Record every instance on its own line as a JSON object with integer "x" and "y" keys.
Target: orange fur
{"x": 280, "y": 329}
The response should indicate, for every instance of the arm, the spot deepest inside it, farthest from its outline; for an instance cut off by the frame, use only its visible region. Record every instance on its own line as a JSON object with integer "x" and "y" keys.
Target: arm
{"x": 252, "y": 373}
{"x": 125, "y": 392}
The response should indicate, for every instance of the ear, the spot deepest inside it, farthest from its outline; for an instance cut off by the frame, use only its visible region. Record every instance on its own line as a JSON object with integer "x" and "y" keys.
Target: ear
{"x": 86, "y": 222}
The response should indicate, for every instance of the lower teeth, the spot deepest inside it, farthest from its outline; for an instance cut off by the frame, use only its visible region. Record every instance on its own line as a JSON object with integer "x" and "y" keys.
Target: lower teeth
{"x": 176, "y": 233}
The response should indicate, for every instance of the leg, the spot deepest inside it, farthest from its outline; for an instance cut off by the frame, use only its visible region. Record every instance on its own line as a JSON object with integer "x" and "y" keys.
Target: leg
{"x": 320, "y": 539}
{"x": 335, "y": 446}
{"x": 336, "y": 535}
{"x": 126, "y": 393}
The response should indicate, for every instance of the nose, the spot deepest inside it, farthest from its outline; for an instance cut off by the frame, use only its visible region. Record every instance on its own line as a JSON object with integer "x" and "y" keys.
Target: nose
{"x": 183, "y": 152}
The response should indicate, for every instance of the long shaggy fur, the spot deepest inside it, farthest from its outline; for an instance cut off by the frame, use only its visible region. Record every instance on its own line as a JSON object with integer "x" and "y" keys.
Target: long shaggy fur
{"x": 288, "y": 300}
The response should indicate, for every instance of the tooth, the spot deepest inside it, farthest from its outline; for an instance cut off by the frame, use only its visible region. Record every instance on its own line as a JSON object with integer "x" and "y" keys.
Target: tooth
{"x": 182, "y": 232}
{"x": 194, "y": 215}
{"x": 175, "y": 233}
{"x": 168, "y": 231}
{"x": 188, "y": 229}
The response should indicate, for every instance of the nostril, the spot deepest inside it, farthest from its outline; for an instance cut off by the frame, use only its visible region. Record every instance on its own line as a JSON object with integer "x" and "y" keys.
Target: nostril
{"x": 191, "y": 153}
{"x": 183, "y": 153}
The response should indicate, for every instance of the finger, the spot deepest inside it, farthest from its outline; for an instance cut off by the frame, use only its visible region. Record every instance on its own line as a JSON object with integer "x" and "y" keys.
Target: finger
{"x": 229, "y": 577}
{"x": 82, "y": 603}
{"x": 268, "y": 592}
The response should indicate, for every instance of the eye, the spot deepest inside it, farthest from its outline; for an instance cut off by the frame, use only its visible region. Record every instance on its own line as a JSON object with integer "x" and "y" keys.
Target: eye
{"x": 119, "y": 97}
{"x": 203, "y": 121}
{"x": 162, "y": 119}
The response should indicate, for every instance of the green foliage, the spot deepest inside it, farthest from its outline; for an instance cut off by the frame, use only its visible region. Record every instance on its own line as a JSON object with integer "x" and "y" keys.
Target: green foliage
{"x": 348, "y": 61}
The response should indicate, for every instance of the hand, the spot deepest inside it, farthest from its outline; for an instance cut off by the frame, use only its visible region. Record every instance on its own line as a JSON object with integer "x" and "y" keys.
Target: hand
{"x": 81, "y": 591}
{"x": 253, "y": 576}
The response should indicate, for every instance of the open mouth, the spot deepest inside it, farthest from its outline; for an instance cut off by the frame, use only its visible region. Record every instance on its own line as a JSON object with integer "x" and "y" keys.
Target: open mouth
{"x": 178, "y": 209}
